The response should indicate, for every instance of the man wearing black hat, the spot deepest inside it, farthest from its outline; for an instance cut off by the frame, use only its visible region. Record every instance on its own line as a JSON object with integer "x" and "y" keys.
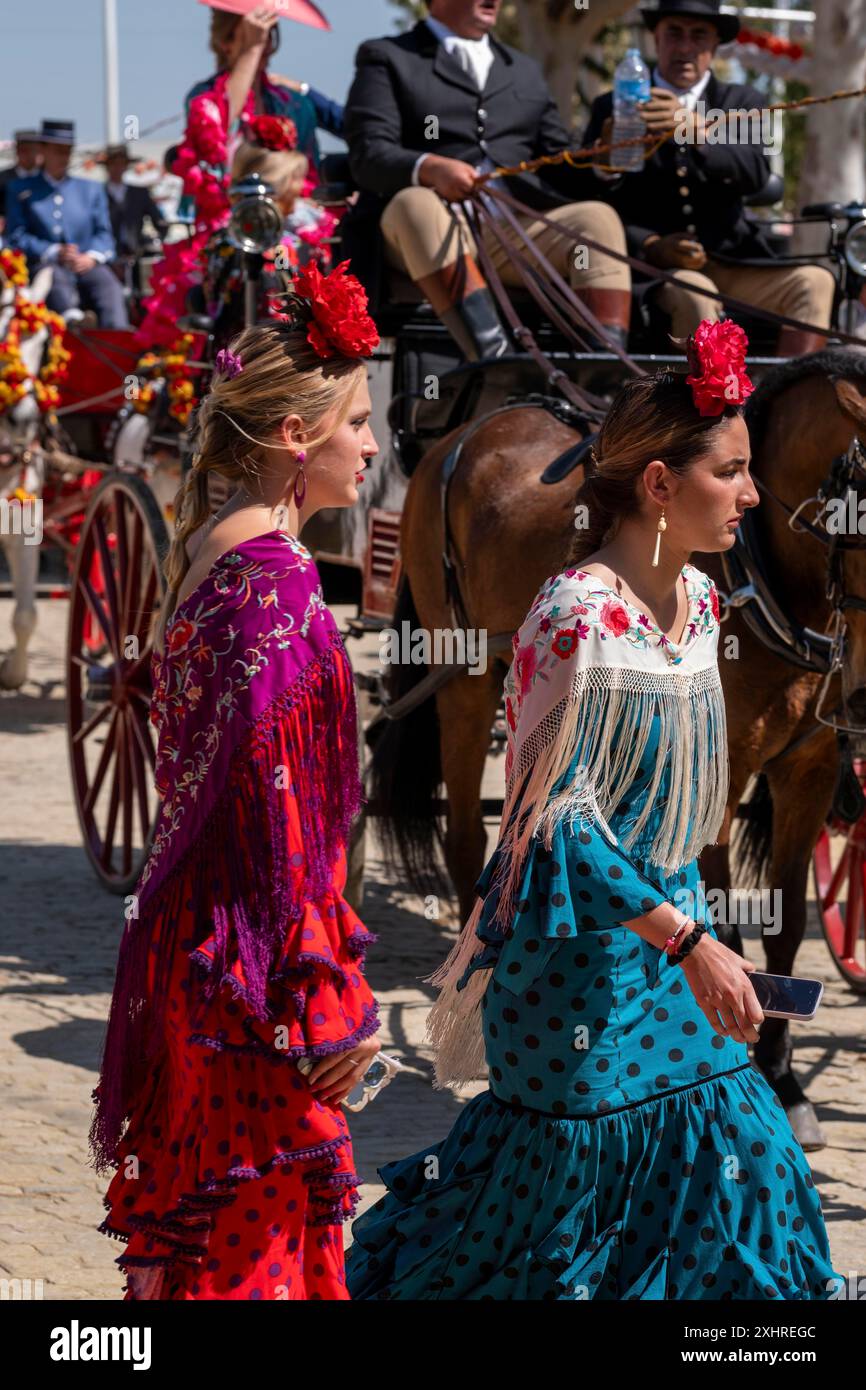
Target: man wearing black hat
{"x": 26, "y": 165}
{"x": 63, "y": 222}
{"x": 683, "y": 211}
{"x": 128, "y": 204}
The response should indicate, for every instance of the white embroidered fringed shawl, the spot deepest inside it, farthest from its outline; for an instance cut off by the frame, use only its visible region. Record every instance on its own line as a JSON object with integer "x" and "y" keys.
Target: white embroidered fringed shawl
{"x": 590, "y": 674}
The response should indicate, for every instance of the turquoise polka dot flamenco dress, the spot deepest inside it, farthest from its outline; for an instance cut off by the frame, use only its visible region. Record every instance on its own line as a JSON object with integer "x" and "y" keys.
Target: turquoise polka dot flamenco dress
{"x": 624, "y": 1149}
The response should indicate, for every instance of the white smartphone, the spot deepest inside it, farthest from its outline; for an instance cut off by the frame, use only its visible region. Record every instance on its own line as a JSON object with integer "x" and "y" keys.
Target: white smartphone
{"x": 786, "y": 996}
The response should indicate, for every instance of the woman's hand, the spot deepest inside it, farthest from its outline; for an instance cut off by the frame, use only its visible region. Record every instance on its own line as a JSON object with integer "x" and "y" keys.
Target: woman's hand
{"x": 254, "y": 29}
{"x": 332, "y": 1078}
{"x": 719, "y": 980}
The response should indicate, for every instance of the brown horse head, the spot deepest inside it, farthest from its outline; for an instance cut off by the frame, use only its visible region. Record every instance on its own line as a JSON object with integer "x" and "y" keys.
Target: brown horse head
{"x": 804, "y": 416}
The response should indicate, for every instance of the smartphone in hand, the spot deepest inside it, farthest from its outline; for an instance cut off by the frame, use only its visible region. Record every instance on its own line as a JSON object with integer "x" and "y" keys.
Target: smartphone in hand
{"x": 786, "y": 996}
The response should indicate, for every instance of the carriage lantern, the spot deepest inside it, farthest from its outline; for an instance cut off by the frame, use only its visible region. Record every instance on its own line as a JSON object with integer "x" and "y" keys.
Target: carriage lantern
{"x": 855, "y": 248}
{"x": 255, "y": 226}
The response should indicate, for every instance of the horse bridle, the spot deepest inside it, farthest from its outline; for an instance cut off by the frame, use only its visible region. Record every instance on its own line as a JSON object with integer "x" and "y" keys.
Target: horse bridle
{"x": 820, "y": 652}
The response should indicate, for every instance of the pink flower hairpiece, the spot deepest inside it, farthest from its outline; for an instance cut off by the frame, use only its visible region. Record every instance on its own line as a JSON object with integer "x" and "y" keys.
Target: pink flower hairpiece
{"x": 229, "y": 364}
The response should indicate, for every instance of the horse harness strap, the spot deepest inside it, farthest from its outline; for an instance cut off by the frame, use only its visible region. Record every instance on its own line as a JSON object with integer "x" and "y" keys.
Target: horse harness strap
{"x": 748, "y": 589}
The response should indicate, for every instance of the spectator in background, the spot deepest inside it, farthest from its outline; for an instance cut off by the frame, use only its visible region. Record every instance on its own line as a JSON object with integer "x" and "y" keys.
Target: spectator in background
{"x": 26, "y": 165}
{"x": 63, "y": 222}
{"x": 129, "y": 204}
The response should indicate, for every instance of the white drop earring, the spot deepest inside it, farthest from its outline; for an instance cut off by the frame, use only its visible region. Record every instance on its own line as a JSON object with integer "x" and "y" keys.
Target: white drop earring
{"x": 662, "y": 526}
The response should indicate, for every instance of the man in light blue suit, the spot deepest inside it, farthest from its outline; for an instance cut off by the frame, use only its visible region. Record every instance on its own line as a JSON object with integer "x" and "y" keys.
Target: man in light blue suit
{"x": 64, "y": 222}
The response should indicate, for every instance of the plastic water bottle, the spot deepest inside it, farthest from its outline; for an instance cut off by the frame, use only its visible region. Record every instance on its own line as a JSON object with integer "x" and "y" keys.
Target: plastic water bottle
{"x": 631, "y": 84}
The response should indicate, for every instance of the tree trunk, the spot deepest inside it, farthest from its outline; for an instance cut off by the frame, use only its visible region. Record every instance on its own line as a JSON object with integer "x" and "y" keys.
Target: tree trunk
{"x": 558, "y": 33}
{"x": 833, "y": 164}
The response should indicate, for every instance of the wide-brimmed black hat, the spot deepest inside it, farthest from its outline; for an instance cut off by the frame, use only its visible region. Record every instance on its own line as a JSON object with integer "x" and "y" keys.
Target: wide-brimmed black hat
{"x": 57, "y": 133}
{"x": 114, "y": 152}
{"x": 728, "y": 25}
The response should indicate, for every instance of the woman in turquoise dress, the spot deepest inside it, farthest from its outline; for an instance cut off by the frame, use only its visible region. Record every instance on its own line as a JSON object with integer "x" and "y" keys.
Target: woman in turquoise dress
{"x": 625, "y": 1148}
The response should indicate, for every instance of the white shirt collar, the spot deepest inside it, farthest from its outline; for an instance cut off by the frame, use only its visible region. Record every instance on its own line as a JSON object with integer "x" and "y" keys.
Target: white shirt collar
{"x": 442, "y": 33}
{"x": 25, "y": 173}
{"x": 55, "y": 183}
{"x": 690, "y": 95}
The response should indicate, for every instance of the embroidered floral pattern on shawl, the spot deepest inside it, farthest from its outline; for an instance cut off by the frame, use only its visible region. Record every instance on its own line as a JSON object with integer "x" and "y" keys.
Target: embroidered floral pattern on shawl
{"x": 257, "y": 765}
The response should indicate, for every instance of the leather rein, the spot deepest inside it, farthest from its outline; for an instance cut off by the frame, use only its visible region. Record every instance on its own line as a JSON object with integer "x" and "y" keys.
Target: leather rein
{"x": 748, "y": 586}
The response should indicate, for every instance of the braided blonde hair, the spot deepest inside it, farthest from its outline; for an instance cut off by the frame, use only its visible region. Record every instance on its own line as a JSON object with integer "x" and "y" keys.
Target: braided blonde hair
{"x": 282, "y": 375}
{"x": 284, "y": 170}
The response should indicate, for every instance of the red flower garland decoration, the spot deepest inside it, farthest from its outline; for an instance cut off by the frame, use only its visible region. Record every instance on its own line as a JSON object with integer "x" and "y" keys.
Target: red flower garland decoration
{"x": 717, "y": 359}
{"x": 772, "y": 43}
{"x": 272, "y": 132}
{"x": 340, "y": 325}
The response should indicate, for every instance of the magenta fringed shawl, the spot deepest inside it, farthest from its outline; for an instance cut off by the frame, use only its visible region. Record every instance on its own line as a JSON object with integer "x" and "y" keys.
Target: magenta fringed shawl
{"x": 257, "y": 765}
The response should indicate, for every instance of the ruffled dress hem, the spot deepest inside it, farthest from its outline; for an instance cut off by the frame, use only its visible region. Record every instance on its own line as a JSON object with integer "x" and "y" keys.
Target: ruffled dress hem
{"x": 661, "y": 1199}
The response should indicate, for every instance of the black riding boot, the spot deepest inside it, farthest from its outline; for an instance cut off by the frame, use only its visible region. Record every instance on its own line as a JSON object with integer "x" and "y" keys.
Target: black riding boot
{"x": 475, "y": 326}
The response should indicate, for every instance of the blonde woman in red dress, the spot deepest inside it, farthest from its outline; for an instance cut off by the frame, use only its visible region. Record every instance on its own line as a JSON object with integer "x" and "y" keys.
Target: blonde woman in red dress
{"x": 241, "y": 1017}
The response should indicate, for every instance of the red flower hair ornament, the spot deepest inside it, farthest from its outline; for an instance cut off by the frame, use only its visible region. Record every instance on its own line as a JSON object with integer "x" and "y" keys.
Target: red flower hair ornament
{"x": 272, "y": 132}
{"x": 333, "y": 309}
{"x": 716, "y": 355}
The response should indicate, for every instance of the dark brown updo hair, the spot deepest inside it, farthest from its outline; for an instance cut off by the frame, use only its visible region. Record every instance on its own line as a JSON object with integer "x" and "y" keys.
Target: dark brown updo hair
{"x": 650, "y": 417}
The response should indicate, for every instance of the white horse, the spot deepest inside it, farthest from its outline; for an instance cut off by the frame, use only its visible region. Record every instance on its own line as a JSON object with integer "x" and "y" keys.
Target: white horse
{"x": 22, "y": 465}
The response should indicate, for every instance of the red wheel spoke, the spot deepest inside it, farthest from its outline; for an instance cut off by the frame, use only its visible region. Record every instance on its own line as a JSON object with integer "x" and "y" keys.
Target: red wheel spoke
{"x": 133, "y": 672}
{"x": 124, "y": 758}
{"x": 838, "y": 876}
{"x": 108, "y": 580}
{"x": 87, "y": 729}
{"x": 95, "y": 605}
{"x": 102, "y": 767}
{"x": 139, "y": 773}
{"x": 114, "y": 799}
{"x": 853, "y": 910}
{"x": 133, "y": 586}
{"x": 142, "y": 738}
{"x": 147, "y": 608}
{"x": 121, "y": 535}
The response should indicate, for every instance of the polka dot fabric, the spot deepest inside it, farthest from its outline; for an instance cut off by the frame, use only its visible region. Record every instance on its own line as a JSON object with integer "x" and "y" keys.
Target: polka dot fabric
{"x": 624, "y": 1150}
{"x": 233, "y": 1181}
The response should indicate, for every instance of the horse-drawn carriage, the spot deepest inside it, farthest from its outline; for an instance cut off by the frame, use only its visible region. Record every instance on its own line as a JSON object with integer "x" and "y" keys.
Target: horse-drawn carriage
{"x": 116, "y": 454}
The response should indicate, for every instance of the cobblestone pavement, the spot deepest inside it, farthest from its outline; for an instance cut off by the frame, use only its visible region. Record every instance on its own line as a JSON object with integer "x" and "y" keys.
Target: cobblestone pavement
{"x": 57, "y": 957}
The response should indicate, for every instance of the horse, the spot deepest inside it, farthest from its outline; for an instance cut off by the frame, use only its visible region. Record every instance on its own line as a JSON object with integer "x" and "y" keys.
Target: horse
{"x": 509, "y": 534}
{"x": 22, "y": 466}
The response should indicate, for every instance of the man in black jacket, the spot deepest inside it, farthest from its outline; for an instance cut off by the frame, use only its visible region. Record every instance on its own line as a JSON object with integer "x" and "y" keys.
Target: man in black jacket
{"x": 26, "y": 165}
{"x": 429, "y": 110}
{"x": 129, "y": 205}
{"x": 684, "y": 211}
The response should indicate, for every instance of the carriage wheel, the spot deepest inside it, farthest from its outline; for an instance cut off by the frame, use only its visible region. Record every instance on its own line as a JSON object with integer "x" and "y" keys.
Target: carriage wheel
{"x": 841, "y": 894}
{"x": 111, "y": 744}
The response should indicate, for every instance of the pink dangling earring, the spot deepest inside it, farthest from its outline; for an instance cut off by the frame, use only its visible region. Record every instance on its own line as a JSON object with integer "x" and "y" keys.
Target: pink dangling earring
{"x": 300, "y": 493}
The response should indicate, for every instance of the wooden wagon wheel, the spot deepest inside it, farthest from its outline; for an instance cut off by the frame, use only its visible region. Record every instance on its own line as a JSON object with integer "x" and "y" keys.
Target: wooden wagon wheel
{"x": 111, "y": 742}
{"x": 841, "y": 894}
